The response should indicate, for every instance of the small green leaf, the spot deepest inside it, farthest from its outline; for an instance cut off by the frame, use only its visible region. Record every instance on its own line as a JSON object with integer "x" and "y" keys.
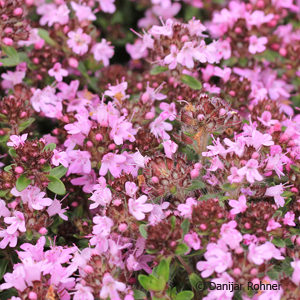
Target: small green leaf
{"x": 3, "y": 266}
{"x": 12, "y": 152}
{"x": 185, "y": 295}
{"x": 8, "y": 168}
{"x": 143, "y": 230}
{"x": 22, "y": 183}
{"x": 158, "y": 69}
{"x": 12, "y": 59}
{"x": 26, "y": 124}
{"x": 151, "y": 283}
{"x": 139, "y": 295}
{"x": 278, "y": 242}
{"x": 10, "y": 51}
{"x": 173, "y": 222}
{"x": 185, "y": 225}
{"x": 181, "y": 249}
{"x": 56, "y": 185}
{"x": 196, "y": 185}
{"x": 59, "y": 171}
{"x": 44, "y": 34}
{"x": 191, "y": 82}
{"x": 196, "y": 281}
{"x": 163, "y": 270}
{"x": 50, "y": 147}
{"x": 273, "y": 274}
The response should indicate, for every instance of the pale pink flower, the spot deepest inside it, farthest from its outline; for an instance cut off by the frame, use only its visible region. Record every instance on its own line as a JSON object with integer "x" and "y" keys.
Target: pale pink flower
{"x": 230, "y": 235}
{"x": 60, "y": 157}
{"x": 139, "y": 207}
{"x": 103, "y": 225}
{"x": 270, "y": 294}
{"x": 234, "y": 176}
{"x": 79, "y": 41}
{"x": 264, "y": 252}
{"x": 11, "y": 79}
{"x": 171, "y": 59}
{"x": 218, "y": 259}
{"x": 257, "y": 45}
{"x": 107, "y": 6}
{"x": 272, "y": 225}
{"x": 170, "y": 148}
{"x": 55, "y": 209}
{"x": 110, "y": 287}
{"x": 159, "y": 127}
{"x": 83, "y": 12}
{"x": 122, "y": 130}
{"x": 250, "y": 171}
{"x": 52, "y": 14}
{"x": 192, "y": 240}
{"x": 117, "y": 92}
{"x": 169, "y": 109}
{"x": 137, "y": 50}
{"x": 195, "y": 27}
{"x": 83, "y": 292}
{"x": 238, "y": 206}
{"x": 17, "y": 140}
{"x": 58, "y": 72}
{"x": 152, "y": 94}
{"x": 79, "y": 162}
{"x": 10, "y": 239}
{"x": 166, "y": 29}
{"x": 157, "y": 213}
{"x": 289, "y": 218}
{"x": 83, "y": 124}
{"x": 296, "y": 274}
{"x": 4, "y": 211}
{"x": 266, "y": 119}
{"x": 101, "y": 196}
{"x": 131, "y": 188}
{"x": 276, "y": 191}
{"x": 17, "y": 222}
{"x": 33, "y": 197}
{"x": 186, "y": 209}
{"x": 112, "y": 162}
{"x": 15, "y": 279}
{"x": 103, "y": 51}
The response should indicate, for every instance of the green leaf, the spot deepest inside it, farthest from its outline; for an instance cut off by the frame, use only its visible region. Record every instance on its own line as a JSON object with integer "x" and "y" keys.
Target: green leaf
{"x": 151, "y": 283}
{"x": 196, "y": 282}
{"x": 44, "y": 34}
{"x": 22, "y": 183}
{"x": 59, "y": 171}
{"x": 139, "y": 295}
{"x": 196, "y": 185}
{"x": 8, "y": 168}
{"x": 56, "y": 185}
{"x": 158, "y": 69}
{"x": 3, "y": 266}
{"x": 12, "y": 59}
{"x": 163, "y": 270}
{"x": 185, "y": 295}
{"x": 185, "y": 225}
{"x": 191, "y": 82}
{"x": 10, "y": 51}
{"x": 143, "y": 230}
{"x": 12, "y": 152}
{"x": 26, "y": 124}
{"x": 273, "y": 274}
{"x": 181, "y": 249}
{"x": 278, "y": 242}
{"x": 173, "y": 222}
{"x": 50, "y": 147}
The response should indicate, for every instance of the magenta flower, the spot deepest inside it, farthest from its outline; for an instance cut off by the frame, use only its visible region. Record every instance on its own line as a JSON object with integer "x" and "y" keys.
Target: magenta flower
{"x": 79, "y": 41}
{"x": 122, "y": 130}
{"x": 58, "y": 72}
{"x": 272, "y": 225}
{"x": 138, "y": 207}
{"x": 289, "y": 218}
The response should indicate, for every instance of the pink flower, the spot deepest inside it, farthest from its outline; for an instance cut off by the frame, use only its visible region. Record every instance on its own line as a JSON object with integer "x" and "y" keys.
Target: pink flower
{"x": 52, "y": 14}
{"x": 33, "y": 197}
{"x": 159, "y": 127}
{"x": 266, "y": 119}
{"x": 10, "y": 239}
{"x": 170, "y": 148}
{"x": 264, "y": 252}
{"x": 138, "y": 207}
{"x": 60, "y": 157}
{"x": 238, "y": 206}
{"x": 131, "y": 188}
{"x": 250, "y": 170}
{"x": 117, "y": 92}
{"x": 112, "y": 162}
{"x": 15, "y": 279}
{"x": 83, "y": 12}
{"x": 17, "y": 223}
{"x": 110, "y": 287}
{"x": 122, "y": 130}
{"x": 166, "y": 29}
{"x": 79, "y": 162}
{"x": 234, "y": 177}
{"x": 276, "y": 191}
{"x": 157, "y": 213}
{"x": 152, "y": 94}
{"x": 192, "y": 240}
{"x": 17, "y": 140}
{"x": 289, "y": 218}
{"x": 58, "y": 72}
{"x": 4, "y": 211}
{"x": 12, "y": 78}
{"x": 218, "y": 259}
{"x": 296, "y": 274}
{"x": 272, "y": 225}
{"x": 83, "y": 292}
{"x": 107, "y": 6}
{"x": 83, "y": 124}
{"x": 230, "y": 235}
{"x": 257, "y": 45}
{"x": 186, "y": 209}
{"x": 103, "y": 225}
{"x": 103, "y": 52}
{"x": 55, "y": 209}
{"x": 171, "y": 59}
{"x": 169, "y": 109}
{"x": 79, "y": 41}
{"x": 101, "y": 196}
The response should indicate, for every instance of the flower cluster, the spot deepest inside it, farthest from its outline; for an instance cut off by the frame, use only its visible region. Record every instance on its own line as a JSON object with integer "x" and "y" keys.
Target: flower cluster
{"x": 148, "y": 146}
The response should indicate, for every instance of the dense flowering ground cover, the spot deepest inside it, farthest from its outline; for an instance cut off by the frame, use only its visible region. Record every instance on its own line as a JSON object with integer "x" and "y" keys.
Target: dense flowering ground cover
{"x": 148, "y": 148}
